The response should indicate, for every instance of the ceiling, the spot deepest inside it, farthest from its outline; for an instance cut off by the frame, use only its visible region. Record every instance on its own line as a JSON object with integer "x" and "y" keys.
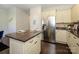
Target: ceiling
{"x": 27, "y": 6}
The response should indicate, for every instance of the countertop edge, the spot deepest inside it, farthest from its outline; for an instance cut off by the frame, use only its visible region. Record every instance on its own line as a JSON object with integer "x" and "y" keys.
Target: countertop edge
{"x": 22, "y": 40}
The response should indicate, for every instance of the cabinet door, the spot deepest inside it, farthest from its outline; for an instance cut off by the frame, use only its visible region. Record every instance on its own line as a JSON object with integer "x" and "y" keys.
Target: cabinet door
{"x": 61, "y": 36}
{"x": 76, "y": 40}
{"x": 63, "y": 16}
{"x": 77, "y": 48}
{"x": 28, "y": 46}
{"x": 34, "y": 47}
{"x": 37, "y": 44}
{"x": 73, "y": 44}
{"x": 16, "y": 47}
{"x": 68, "y": 39}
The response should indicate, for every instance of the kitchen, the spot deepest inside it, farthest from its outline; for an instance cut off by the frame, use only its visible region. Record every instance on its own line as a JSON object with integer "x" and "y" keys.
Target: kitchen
{"x": 23, "y": 33}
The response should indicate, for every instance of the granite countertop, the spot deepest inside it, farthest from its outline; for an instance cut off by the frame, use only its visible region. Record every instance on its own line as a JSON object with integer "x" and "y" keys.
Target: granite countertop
{"x": 61, "y": 28}
{"x": 23, "y": 36}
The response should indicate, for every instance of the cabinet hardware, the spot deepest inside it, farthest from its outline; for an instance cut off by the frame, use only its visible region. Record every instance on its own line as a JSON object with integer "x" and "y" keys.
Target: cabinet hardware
{"x": 74, "y": 37}
{"x": 35, "y": 42}
{"x": 77, "y": 44}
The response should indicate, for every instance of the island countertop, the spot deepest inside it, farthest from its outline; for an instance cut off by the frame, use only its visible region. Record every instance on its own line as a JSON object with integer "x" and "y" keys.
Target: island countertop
{"x": 23, "y": 36}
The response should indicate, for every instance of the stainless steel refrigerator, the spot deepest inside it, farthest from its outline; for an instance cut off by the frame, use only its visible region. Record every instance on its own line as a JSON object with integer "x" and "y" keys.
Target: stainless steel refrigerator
{"x": 50, "y": 35}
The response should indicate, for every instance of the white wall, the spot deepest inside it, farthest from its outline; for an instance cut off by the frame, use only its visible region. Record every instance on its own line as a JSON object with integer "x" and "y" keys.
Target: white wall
{"x": 3, "y": 20}
{"x": 18, "y": 20}
{"x": 22, "y": 20}
{"x": 12, "y": 20}
{"x": 35, "y": 18}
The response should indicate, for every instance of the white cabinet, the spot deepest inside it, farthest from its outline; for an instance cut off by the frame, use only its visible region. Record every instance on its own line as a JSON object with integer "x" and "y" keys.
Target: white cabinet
{"x": 32, "y": 46}
{"x": 69, "y": 39}
{"x": 73, "y": 43}
{"x": 65, "y": 37}
{"x": 63, "y": 16}
{"x": 61, "y": 36}
{"x": 75, "y": 13}
{"x": 46, "y": 13}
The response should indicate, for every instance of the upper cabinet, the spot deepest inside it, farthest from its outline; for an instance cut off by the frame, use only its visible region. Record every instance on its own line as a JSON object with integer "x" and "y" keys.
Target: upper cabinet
{"x": 75, "y": 13}
{"x": 46, "y": 13}
{"x": 63, "y": 16}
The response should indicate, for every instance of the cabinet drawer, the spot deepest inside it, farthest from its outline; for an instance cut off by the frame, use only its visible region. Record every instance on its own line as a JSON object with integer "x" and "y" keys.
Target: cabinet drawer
{"x": 31, "y": 42}
{"x": 39, "y": 36}
{"x": 34, "y": 48}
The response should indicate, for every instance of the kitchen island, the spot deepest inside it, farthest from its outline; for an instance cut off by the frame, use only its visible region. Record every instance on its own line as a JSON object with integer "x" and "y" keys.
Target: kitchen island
{"x": 28, "y": 42}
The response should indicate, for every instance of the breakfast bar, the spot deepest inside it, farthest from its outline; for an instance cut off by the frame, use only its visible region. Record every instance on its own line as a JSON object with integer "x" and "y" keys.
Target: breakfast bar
{"x": 28, "y": 42}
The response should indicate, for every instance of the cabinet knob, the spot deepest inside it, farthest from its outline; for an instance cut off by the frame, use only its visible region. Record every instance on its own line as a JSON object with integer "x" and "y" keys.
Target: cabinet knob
{"x": 74, "y": 37}
{"x": 77, "y": 44}
{"x": 35, "y": 42}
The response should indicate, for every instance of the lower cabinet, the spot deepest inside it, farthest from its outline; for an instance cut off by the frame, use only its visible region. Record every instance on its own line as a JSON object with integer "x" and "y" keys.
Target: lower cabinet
{"x": 73, "y": 43}
{"x": 61, "y": 36}
{"x": 65, "y": 37}
{"x": 32, "y": 46}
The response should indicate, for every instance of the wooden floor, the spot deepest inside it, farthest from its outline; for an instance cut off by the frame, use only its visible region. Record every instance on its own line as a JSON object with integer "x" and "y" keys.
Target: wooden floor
{"x": 49, "y": 48}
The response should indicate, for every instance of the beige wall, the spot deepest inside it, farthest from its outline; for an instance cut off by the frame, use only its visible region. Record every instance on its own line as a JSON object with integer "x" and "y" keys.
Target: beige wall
{"x": 75, "y": 13}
